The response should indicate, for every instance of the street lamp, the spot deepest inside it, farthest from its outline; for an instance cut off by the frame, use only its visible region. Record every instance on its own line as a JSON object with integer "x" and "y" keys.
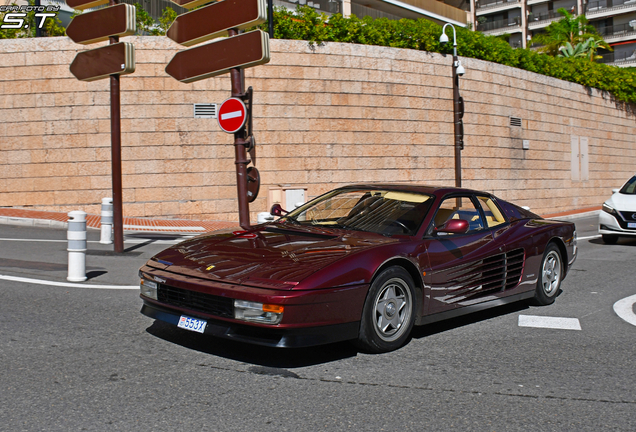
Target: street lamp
{"x": 458, "y": 104}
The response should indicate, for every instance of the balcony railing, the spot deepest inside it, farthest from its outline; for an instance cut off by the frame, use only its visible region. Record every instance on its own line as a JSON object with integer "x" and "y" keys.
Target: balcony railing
{"x": 491, "y": 4}
{"x": 595, "y": 6}
{"x": 499, "y": 24}
{"x": 623, "y": 57}
{"x": 617, "y": 30}
{"x": 549, "y": 14}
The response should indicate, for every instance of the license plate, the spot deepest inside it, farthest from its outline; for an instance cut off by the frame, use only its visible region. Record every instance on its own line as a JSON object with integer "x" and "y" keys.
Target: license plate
{"x": 192, "y": 324}
{"x": 631, "y": 224}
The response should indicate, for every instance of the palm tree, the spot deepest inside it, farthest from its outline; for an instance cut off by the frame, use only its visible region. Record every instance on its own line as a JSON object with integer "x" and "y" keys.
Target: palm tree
{"x": 570, "y": 29}
{"x": 579, "y": 50}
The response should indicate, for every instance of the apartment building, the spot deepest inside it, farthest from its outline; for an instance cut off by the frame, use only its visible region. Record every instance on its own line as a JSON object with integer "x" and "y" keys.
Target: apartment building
{"x": 519, "y": 20}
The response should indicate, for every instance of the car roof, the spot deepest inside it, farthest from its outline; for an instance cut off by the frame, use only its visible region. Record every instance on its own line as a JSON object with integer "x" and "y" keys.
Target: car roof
{"x": 426, "y": 189}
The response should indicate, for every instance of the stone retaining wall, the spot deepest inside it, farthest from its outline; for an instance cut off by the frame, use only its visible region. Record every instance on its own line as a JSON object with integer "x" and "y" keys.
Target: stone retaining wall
{"x": 325, "y": 116}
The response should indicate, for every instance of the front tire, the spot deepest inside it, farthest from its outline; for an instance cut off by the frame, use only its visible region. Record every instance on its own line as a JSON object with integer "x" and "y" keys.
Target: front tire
{"x": 389, "y": 311}
{"x": 609, "y": 238}
{"x": 550, "y": 276}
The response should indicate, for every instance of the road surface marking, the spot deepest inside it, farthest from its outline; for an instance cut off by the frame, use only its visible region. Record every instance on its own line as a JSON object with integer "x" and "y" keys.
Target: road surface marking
{"x": 231, "y": 115}
{"x": 549, "y": 322}
{"x": 135, "y": 241}
{"x": 589, "y": 237}
{"x": 66, "y": 284}
{"x": 625, "y": 309}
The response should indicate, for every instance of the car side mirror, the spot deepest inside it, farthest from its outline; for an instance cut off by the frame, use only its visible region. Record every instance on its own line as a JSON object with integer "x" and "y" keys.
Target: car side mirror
{"x": 615, "y": 191}
{"x": 454, "y": 226}
{"x": 277, "y": 210}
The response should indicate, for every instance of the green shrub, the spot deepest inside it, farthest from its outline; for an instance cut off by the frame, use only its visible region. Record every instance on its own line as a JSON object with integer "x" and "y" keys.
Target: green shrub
{"x": 308, "y": 24}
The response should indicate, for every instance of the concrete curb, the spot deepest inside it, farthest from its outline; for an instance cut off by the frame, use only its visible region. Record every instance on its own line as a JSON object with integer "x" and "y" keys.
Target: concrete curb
{"x": 576, "y": 216}
{"x": 7, "y": 220}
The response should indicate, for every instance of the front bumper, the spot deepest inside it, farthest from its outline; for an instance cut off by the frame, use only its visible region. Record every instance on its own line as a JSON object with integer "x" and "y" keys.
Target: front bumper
{"x": 608, "y": 224}
{"x": 271, "y": 337}
{"x": 310, "y": 317}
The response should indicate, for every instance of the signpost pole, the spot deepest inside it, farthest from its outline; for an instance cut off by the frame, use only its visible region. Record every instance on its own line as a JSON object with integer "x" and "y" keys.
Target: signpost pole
{"x": 115, "y": 139}
{"x": 240, "y": 152}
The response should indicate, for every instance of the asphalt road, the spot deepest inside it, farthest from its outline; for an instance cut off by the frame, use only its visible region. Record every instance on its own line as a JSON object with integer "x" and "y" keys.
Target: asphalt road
{"x": 86, "y": 359}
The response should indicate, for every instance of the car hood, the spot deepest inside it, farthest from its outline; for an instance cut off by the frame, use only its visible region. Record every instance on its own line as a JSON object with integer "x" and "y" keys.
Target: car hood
{"x": 622, "y": 202}
{"x": 269, "y": 256}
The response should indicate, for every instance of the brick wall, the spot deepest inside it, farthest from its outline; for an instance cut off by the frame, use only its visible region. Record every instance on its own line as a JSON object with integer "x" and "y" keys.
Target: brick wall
{"x": 324, "y": 116}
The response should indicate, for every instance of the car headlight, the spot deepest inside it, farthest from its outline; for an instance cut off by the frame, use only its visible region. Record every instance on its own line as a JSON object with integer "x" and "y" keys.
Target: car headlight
{"x": 148, "y": 288}
{"x": 258, "y": 312}
{"x": 610, "y": 210}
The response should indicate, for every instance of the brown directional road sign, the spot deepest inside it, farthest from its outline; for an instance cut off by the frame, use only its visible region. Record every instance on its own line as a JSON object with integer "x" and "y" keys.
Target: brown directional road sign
{"x": 99, "y": 25}
{"x": 85, "y": 4}
{"x": 218, "y": 57}
{"x": 114, "y": 59}
{"x": 216, "y": 19}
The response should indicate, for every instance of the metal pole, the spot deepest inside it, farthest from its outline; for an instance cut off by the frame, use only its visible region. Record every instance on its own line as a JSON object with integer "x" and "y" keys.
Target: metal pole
{"x": 457, "y": 122}
{"x": 115, "y": 139}
{"x": 38, "y": 30}
{"x": 240, "y": 152}
{"x": 270, "y": 18}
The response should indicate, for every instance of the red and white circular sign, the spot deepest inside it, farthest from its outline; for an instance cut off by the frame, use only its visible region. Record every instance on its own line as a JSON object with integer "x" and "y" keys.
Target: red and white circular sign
{"x": 232, "y": 115}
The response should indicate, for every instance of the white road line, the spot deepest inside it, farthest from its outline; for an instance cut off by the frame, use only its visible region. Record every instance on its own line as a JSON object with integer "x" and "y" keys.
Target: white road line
{"x": 66, "y": 284}
{"x": 135, "y": 241}
{"x": 625, "y": 309}
{"x": 589, "y": 237}
{"x": 549, "y": 322}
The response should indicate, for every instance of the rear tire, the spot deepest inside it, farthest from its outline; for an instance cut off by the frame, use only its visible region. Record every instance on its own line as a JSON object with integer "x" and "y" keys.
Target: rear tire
{"x": 609, "y": 238}
{"x": 550, "y": 276}
{"x": 389, "y": 311}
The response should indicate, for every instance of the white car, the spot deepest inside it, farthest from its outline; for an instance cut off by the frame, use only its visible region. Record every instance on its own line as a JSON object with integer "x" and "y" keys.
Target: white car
{"x": 618, "y": 217}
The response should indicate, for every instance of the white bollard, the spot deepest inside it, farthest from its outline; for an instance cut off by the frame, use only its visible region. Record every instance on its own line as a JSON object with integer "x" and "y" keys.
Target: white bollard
{"x": 107, "y": 221}
{"x": 76, "y": 236}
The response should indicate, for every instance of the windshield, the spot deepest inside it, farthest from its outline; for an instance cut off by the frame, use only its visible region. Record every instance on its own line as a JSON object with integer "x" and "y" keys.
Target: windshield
{"x": 630, "y": 187}
{"x": 379, "y": 211}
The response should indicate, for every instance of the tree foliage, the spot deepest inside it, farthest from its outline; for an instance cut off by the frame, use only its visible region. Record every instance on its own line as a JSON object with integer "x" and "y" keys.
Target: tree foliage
{"x": 308, "y": 24}
{"x": 569, "y": 29}
{"x": 146, "y": 25}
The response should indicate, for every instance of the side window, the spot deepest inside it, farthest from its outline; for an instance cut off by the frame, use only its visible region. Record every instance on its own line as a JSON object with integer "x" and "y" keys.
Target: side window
{"x": 494, "y": 216}
{"x": 459, "y": 208}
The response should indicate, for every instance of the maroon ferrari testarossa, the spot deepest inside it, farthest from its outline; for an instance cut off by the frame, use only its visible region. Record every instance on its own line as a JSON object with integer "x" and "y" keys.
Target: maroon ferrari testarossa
{"x": 363, "y": 262}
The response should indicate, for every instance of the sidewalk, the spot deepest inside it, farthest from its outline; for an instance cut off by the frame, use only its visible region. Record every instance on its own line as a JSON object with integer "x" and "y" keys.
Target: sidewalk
{"x": 26, "y": 217}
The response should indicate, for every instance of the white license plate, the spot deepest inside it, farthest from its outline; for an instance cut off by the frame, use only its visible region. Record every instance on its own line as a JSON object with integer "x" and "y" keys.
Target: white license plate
{"x": 631, "y": 224}
{"x": 192, "y": 324}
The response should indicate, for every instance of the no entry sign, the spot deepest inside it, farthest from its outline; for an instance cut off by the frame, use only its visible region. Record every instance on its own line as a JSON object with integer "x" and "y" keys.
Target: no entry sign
{"x": 232, "y": 115}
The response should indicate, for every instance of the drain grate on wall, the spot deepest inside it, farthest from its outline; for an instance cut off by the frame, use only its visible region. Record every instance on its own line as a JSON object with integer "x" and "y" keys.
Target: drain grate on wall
{"x": 205, "y": 110}
{"x": 515, "y": 121}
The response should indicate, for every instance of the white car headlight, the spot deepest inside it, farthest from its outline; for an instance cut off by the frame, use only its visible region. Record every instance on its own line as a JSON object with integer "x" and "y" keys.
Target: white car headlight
{"x": 258, "y": 312}
{"x": 607, "y": 209}
{"x": 148, "y": 288}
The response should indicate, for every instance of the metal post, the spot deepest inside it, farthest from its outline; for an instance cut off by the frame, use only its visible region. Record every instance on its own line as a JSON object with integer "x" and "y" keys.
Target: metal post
{"x": 240, "y": 151}
{"x": 458, "y": 109}
{"x": 270, "y": 18}
{"x": 457, "y": 133}
{"x": 115, "y": 139}
{"x": 38, "y": 30}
